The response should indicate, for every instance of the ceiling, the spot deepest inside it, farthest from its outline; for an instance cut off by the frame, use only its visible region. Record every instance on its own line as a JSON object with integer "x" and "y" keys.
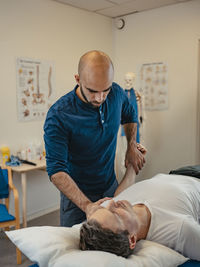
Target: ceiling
{"x": 118, "y": 8}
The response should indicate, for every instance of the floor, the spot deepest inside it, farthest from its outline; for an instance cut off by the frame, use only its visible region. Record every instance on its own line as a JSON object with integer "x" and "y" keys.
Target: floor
{"x": 7, "y": 248}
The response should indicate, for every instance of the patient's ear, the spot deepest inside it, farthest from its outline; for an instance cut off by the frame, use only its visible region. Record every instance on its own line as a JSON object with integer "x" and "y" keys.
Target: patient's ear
{"x": 132, "y": 241}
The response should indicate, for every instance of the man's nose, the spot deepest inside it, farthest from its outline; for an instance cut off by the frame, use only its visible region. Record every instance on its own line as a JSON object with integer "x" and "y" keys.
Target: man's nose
{"x": 99, "y": 96}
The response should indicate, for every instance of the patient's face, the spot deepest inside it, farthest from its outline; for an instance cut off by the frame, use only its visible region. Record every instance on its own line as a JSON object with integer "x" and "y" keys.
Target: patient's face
{"x": 117, "y": 216}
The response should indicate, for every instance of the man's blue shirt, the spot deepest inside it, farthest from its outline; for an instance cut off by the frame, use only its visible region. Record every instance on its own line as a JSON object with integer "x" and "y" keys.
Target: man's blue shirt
{"x": 81, "y": 139}
{"x": 132, "y": 98}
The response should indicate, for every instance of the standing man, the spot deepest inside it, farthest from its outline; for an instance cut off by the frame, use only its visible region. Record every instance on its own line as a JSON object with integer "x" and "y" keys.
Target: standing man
{"x": 80, "y": 135}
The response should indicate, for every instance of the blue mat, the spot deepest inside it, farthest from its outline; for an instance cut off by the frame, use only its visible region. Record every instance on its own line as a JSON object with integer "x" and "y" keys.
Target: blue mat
{"x": 190, "y": 263}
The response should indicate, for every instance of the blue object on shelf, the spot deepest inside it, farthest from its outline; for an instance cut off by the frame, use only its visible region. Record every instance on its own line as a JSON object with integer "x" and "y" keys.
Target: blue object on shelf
{"x": 14, "y": 161}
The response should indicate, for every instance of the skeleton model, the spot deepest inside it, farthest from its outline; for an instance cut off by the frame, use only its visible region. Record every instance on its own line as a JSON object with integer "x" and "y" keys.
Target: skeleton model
{"x": 130, "y": 90}
{"x": 137, "y": 100}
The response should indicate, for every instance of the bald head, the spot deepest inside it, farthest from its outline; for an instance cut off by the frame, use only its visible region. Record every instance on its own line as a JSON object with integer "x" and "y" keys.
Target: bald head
{"x": 95, "y": 60}
{"x": 95, "y": 77}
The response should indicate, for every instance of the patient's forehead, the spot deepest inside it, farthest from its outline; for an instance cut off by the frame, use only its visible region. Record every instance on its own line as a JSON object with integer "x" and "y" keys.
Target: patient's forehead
{"x": 101, "y": 211}
{"x": 107, "y": 219}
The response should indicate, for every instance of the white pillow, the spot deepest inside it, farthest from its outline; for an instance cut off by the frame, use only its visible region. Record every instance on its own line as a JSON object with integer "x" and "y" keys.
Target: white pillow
{"x": 58, "y": 247}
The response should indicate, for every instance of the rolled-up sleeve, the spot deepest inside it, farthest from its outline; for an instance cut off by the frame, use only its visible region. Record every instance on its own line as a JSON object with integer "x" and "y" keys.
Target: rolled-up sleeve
{"x": 129, "y": 114}
{"x": 56, "y": 143}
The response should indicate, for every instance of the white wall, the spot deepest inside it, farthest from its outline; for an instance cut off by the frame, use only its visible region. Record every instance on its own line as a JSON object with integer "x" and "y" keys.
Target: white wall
{"x": 42, "y": 29}
{"x": 168, "y": 34}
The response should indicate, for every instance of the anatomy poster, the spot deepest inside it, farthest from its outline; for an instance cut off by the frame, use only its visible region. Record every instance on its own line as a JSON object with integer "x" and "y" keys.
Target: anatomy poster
{"x": 35, "y": 88}
{"x": 154, "y": 85}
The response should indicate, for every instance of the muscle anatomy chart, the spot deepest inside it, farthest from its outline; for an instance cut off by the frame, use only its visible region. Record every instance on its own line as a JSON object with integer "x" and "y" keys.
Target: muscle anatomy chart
{"x": 35, "y": 88}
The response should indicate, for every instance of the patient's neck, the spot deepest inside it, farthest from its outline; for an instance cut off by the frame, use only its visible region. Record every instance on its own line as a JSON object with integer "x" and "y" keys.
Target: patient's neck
{"x": 144, "y": 218}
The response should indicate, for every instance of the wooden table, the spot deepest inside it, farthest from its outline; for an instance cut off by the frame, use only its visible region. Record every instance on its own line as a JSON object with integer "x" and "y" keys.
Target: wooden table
{"x": 22, "y": 170}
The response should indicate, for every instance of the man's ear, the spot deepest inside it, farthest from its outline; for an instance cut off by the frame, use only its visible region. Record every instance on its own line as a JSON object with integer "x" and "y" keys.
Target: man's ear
{"x": 77, "y": 78}
{"x": 132, "y": 241}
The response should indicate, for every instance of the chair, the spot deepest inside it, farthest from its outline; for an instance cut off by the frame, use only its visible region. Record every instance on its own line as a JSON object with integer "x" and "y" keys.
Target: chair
{"x": 6, "y": 219}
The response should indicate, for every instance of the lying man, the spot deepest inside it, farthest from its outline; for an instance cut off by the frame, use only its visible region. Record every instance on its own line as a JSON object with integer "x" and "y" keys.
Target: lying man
{"x": 163, "y": 209}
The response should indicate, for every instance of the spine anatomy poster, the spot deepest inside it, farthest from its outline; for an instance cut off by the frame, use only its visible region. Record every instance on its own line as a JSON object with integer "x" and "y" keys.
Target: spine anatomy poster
{"x": 154, "y": 85}
{"x": 35, "y": 88}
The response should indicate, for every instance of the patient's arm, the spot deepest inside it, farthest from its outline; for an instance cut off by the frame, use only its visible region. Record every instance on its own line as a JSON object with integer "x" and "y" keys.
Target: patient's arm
{"x": 130, "y": 174}
{"x": 128, "y": 180}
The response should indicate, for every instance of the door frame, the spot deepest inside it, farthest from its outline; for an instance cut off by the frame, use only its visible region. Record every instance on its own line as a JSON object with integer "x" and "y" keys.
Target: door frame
{"x": 198, "y": 110}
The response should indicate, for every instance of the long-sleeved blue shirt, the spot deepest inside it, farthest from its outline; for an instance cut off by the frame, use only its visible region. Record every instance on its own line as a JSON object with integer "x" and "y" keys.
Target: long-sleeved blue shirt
{"x": 81, "y": 139}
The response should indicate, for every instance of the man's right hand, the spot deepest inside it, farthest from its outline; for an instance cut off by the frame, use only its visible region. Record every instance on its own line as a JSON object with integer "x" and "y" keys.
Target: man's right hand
{"x": 93, "y": 206}
{"x": 135, "y": 156}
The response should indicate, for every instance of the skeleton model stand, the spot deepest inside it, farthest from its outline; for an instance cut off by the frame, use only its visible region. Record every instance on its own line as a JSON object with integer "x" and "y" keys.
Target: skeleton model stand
{"x": 137, "y": 101}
